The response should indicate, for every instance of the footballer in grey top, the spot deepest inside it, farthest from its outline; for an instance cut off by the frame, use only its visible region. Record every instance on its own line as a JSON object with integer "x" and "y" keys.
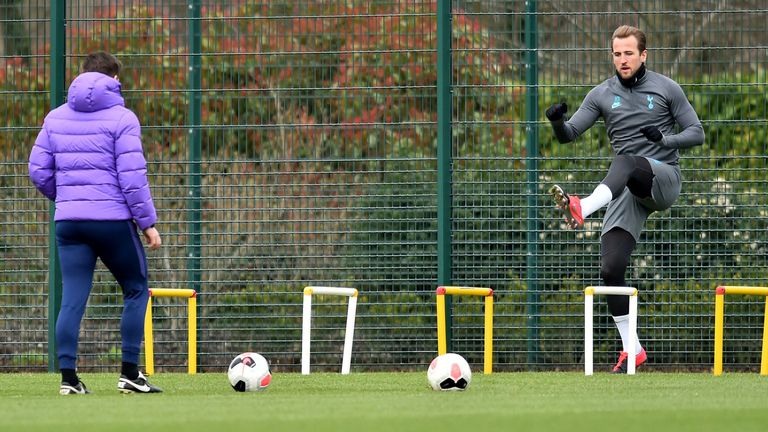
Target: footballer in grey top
{"x": 652, "y": 99}
{"x": 648, "y": 119}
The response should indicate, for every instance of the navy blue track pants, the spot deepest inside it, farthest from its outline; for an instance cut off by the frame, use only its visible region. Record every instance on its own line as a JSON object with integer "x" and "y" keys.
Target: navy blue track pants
{"x": 118, "y": 246}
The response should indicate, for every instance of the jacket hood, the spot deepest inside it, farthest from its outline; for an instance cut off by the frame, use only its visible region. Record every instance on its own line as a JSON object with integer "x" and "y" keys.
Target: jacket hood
{"x": 94, "y": 91}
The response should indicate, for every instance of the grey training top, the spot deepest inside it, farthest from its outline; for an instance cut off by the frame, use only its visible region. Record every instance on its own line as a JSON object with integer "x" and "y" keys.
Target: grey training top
{"x": 653, "y": 100}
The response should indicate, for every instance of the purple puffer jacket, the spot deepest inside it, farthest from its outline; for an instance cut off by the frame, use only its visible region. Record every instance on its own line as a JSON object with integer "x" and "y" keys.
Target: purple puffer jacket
{"x": 88, "y": 156}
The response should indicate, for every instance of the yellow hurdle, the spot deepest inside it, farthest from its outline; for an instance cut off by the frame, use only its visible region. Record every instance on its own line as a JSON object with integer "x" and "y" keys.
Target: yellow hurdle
{"x": 149, "y": 352}
{"x": 442, "y": 344}
{"x": 720, "y": 293}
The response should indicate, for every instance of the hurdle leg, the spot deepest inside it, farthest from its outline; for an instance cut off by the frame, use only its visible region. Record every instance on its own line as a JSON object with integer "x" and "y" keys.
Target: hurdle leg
{"x": 764, "y": 354}
{"x": 588, "y": 322}
{"x": 192, "y": 335}
{"x": 306, "y": 329}
{"x": 349, "y": 336}
{"x": 149, "y": 351}
{"x": 488, "y": 360}
{"x": 442, "y": 345}
{"x": 719, "y": 321}
{"x": 631, "y": 359}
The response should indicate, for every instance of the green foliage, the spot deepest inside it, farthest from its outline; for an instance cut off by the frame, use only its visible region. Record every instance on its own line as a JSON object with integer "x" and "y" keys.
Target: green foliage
{"x": 29, "y": 359}
{"x": 731, "y": 108}
{"x": 395, "y": 239}
{"x": 112, "y": 356}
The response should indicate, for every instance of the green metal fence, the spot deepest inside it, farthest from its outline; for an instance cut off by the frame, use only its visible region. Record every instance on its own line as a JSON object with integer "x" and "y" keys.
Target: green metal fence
{"x": 361, "y": 144}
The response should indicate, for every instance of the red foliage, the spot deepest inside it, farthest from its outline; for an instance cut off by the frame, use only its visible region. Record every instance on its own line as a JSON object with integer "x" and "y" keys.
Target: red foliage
{"x": 335, "y": 71}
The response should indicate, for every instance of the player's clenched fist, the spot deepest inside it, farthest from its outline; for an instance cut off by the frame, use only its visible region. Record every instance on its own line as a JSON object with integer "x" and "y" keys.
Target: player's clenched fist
{"x": 557, "y": 111}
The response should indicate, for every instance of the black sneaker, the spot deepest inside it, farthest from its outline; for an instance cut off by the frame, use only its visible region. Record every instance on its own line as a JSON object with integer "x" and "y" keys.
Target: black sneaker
{"x": 68, "y": 389}
{"x": 139, "y": 385}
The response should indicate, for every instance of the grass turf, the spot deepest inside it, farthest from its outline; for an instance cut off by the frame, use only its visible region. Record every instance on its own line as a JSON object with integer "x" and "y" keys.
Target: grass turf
{"x": 365, "y": 402}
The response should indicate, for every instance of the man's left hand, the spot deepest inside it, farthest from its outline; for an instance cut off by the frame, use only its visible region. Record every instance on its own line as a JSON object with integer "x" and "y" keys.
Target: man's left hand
{"x": 653, "y": 134}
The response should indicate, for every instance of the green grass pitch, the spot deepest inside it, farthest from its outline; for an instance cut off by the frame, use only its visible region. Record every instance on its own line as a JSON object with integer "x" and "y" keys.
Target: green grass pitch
{"x": 535, "y": 401}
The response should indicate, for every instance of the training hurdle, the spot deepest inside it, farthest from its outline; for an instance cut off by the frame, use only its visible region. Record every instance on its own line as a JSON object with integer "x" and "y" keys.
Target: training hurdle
{"x": 442, "y": 343}
{"x": 720, "y": 293}
{"x": 306, "y": 325}
{"x": 149, "y": 351}
{"x": 589, "y": 294}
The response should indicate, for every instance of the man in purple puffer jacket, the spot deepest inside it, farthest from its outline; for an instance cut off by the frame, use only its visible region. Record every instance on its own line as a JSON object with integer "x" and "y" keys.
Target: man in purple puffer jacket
{"x": 88, "y": 159}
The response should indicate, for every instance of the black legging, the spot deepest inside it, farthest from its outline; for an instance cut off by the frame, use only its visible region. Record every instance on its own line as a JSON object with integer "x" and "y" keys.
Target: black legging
{"x": 633, "y": 172}
{"x": 616, "y": 246}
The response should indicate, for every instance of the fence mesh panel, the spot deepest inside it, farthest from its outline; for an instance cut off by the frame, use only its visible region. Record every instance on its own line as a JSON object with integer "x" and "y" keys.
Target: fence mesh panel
{"x": 316, "y": 152}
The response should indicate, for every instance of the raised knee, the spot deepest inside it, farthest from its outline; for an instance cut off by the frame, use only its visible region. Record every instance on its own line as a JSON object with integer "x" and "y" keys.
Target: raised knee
{"x": 624, "y": 161}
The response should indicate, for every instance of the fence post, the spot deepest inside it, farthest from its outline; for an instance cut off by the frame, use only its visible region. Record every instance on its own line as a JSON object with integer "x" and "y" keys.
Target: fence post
{"x": 444, "y": 154}
{"x": 58, "y": 92}
{"x": 532, "y": 173}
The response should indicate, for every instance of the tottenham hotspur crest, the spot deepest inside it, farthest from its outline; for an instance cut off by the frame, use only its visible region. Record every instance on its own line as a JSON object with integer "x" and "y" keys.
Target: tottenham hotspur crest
{"x": 650, "y": 102}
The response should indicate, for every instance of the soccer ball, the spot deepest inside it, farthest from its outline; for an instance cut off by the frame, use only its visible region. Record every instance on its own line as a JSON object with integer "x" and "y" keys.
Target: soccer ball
{"x": 249, "y": 372}
{"x": 449, "y": 372}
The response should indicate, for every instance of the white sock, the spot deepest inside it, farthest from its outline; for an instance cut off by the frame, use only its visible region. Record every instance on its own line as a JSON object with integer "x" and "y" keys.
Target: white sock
{"x": 622, "y": 323}
{"x": 600, "y": 197}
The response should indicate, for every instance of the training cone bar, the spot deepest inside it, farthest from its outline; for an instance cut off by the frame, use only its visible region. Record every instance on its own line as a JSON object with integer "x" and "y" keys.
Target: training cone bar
{"x": 306, "y": 325}
{"x": 442, "y": 343}
{"x": 149, "y": 351}
{"x": 720, "y": 293}
{"x": 589, "y": 294}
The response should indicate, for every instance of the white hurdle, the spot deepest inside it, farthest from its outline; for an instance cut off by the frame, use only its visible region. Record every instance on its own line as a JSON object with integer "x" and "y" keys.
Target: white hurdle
{"x": 306, "y": 325}
{"x": 589, "y": 294}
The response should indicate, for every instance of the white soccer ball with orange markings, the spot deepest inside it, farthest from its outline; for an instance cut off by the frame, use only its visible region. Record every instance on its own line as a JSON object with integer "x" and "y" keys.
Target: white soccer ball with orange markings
{"x": 249, "y": 372}
{"x": 449, "y": 372}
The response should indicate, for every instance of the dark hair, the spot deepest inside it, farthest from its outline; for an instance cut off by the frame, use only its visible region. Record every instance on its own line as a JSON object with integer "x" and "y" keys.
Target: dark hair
{"x": 102, "y": 62}
{"x": 626, "y": 31}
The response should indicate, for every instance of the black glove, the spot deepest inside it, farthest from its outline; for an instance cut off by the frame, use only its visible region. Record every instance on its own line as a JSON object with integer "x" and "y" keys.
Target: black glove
{"x": 652, "y": 133}
{"x": 556, "y": 111}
